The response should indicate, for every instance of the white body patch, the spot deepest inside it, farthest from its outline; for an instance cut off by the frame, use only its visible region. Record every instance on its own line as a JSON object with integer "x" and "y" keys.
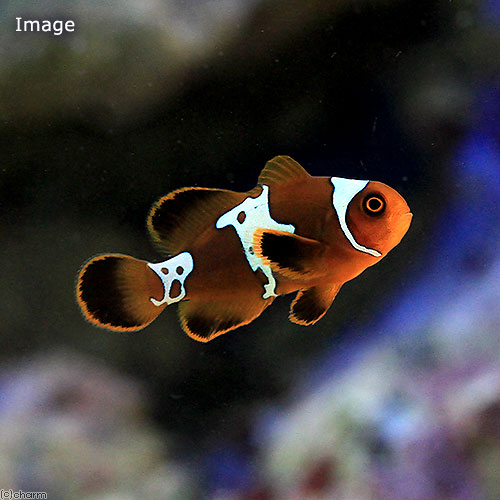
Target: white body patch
{"x": 175, "y": 268}
{"x": 345, "y": 190}
{"x": 256, "y": 216}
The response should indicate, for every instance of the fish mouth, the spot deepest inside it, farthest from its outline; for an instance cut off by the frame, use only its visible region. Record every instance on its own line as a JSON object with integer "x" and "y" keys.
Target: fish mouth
{"x": 407, "y": 217}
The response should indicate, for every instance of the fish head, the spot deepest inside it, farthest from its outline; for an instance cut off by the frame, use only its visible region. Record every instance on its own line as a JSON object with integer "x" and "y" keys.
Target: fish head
{"x": 378, "y": 217}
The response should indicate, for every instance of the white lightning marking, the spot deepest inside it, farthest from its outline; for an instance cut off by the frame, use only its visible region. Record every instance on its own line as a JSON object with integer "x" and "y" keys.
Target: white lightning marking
{"x": 175, "y": 268}
{"x": 257, "y": 216}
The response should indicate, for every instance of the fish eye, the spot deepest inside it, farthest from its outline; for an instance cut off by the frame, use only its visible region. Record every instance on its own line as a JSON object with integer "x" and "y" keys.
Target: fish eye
{"x": 374, "y": 204}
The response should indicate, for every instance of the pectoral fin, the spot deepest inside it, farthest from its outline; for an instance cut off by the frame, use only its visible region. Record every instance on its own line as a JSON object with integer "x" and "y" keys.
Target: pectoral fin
{"x": 311, "y": 304}
{"x": 292, "y": 256}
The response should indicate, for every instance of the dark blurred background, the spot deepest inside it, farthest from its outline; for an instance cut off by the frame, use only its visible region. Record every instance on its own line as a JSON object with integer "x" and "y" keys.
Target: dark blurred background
{"x": 147, "y": 97}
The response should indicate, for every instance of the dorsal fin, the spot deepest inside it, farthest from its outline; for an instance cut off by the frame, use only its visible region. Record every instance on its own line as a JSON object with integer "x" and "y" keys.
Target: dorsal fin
{"x": 178, "y": 218}
{"x": 281, "y": 169}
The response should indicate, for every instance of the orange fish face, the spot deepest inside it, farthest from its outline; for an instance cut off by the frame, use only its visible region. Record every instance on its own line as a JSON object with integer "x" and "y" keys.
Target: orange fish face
{"x": 378, "y": 217}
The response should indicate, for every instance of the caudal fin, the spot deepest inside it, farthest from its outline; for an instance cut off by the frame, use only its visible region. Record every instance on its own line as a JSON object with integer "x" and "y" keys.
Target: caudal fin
{"x": 114, "y": 291}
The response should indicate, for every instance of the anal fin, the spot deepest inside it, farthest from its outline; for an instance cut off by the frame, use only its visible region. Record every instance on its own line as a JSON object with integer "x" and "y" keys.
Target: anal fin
{"x": 291, "y": 255}
{"x": 311, "y": 304}
{"x": 203, "y": 320}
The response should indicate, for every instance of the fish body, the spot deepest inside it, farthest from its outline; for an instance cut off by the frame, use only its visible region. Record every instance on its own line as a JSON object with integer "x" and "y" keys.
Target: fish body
{"x": 230, "y": 254}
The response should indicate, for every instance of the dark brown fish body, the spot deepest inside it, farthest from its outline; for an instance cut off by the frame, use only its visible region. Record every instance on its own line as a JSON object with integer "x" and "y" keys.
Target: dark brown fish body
{"x": 233, "y": 253}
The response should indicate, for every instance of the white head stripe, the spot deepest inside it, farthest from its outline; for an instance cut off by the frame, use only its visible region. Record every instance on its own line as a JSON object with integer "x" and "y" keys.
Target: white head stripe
{"x": 344, "y": 191}
{"x": 175, "y": 268}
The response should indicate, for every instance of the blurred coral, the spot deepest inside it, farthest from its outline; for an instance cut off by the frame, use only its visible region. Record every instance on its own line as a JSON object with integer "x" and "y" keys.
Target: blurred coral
{"x": 75, "y": 429}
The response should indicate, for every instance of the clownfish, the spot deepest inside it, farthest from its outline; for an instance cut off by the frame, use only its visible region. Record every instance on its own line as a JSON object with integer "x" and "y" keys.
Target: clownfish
{"x": 230, "y": 254}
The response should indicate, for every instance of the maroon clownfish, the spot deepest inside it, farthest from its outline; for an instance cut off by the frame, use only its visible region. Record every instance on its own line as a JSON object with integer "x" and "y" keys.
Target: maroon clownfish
{"x": 230, "y": 254}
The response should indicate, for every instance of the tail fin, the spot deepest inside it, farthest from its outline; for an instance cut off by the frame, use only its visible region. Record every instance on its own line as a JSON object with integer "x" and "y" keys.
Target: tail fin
{"x": 114, "y": 291}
